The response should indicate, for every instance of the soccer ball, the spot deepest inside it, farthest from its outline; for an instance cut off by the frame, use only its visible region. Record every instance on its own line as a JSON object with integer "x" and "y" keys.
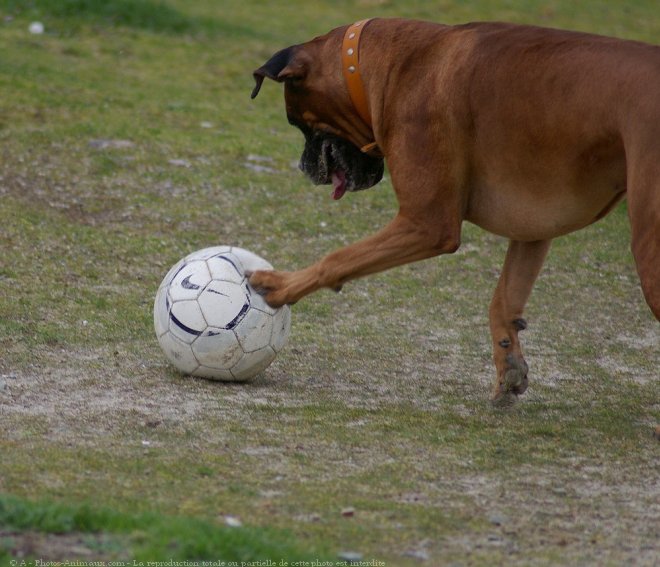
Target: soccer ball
{"x": 211, "y": 323}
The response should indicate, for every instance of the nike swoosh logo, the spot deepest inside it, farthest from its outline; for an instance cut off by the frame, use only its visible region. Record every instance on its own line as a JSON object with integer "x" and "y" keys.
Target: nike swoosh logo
{"x": 187, "y": 284}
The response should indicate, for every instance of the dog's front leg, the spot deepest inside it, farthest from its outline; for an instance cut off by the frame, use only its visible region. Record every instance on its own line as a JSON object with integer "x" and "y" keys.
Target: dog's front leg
{"x": 402, "y": 241}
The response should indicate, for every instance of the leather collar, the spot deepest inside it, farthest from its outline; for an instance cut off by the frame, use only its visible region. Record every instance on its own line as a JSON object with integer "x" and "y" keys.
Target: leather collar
{"x": 350, "y": 57}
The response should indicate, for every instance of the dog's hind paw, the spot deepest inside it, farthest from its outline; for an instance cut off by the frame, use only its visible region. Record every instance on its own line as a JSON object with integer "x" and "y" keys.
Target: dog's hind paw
{"x": 515, "y": 375}
{"x": 512, "y": 383}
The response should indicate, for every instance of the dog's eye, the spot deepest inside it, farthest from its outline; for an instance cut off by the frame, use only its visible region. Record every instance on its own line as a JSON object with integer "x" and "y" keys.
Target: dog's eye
{"x": 294, "y": 83}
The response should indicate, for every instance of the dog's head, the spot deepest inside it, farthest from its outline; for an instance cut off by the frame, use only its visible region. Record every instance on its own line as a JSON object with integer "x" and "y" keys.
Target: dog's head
{"x": 318, "y": 103}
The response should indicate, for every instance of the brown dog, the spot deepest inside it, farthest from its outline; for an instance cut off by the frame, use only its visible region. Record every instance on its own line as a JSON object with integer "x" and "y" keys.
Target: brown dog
{"x": 530, "y": 133}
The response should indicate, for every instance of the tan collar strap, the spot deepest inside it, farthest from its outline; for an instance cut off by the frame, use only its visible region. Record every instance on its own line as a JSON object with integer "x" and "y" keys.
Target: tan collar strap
{"x": 350, "y": 57}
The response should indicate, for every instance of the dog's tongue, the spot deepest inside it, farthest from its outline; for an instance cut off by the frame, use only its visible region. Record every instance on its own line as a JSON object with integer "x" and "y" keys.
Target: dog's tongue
{"x": 339, "y": 184}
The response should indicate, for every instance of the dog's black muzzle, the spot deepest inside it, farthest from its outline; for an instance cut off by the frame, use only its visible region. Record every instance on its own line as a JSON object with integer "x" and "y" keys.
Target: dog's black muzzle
{"x": 325, "y": 155}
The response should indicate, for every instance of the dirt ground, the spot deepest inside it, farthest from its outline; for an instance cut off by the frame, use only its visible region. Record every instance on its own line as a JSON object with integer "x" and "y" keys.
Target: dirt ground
{"x": 583, "y": 510}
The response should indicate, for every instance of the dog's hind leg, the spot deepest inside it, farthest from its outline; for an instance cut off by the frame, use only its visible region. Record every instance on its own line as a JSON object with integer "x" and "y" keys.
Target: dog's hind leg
{"x": 521, "y": 267}
{"x": 644, "y": 213}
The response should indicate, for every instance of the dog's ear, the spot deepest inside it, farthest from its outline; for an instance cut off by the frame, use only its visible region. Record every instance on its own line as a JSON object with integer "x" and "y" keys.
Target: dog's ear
{"x": 285, "y": 64}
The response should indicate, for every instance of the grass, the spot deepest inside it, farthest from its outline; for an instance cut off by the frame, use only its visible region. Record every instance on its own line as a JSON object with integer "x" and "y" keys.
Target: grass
{"x": 142, "y": 538}
{"x": 125, "y": 136}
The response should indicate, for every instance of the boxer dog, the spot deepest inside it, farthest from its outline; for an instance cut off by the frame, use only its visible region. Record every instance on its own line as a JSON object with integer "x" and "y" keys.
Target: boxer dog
{"x": 527, "y": 132}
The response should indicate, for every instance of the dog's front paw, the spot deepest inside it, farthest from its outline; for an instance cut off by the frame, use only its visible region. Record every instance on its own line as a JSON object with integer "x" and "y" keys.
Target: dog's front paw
{"x": 272, "y": 286}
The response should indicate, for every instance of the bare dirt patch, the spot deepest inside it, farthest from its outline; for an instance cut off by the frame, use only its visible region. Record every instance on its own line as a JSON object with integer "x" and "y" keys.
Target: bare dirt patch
{"x": 577, "y": 507}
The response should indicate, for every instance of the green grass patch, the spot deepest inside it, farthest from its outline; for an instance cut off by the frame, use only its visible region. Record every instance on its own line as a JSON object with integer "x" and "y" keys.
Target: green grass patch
{"x": 143, "y": 537}
{"x": 150, "y": 15}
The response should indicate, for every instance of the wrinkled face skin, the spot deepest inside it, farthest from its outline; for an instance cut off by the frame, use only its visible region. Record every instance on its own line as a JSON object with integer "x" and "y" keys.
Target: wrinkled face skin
{"x": 330, "y": 159}
{"x": 318, "y": 104}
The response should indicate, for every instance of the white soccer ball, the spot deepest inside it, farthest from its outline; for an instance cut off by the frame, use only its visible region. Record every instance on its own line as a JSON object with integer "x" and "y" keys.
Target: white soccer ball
{"x": 211, "y": 323}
